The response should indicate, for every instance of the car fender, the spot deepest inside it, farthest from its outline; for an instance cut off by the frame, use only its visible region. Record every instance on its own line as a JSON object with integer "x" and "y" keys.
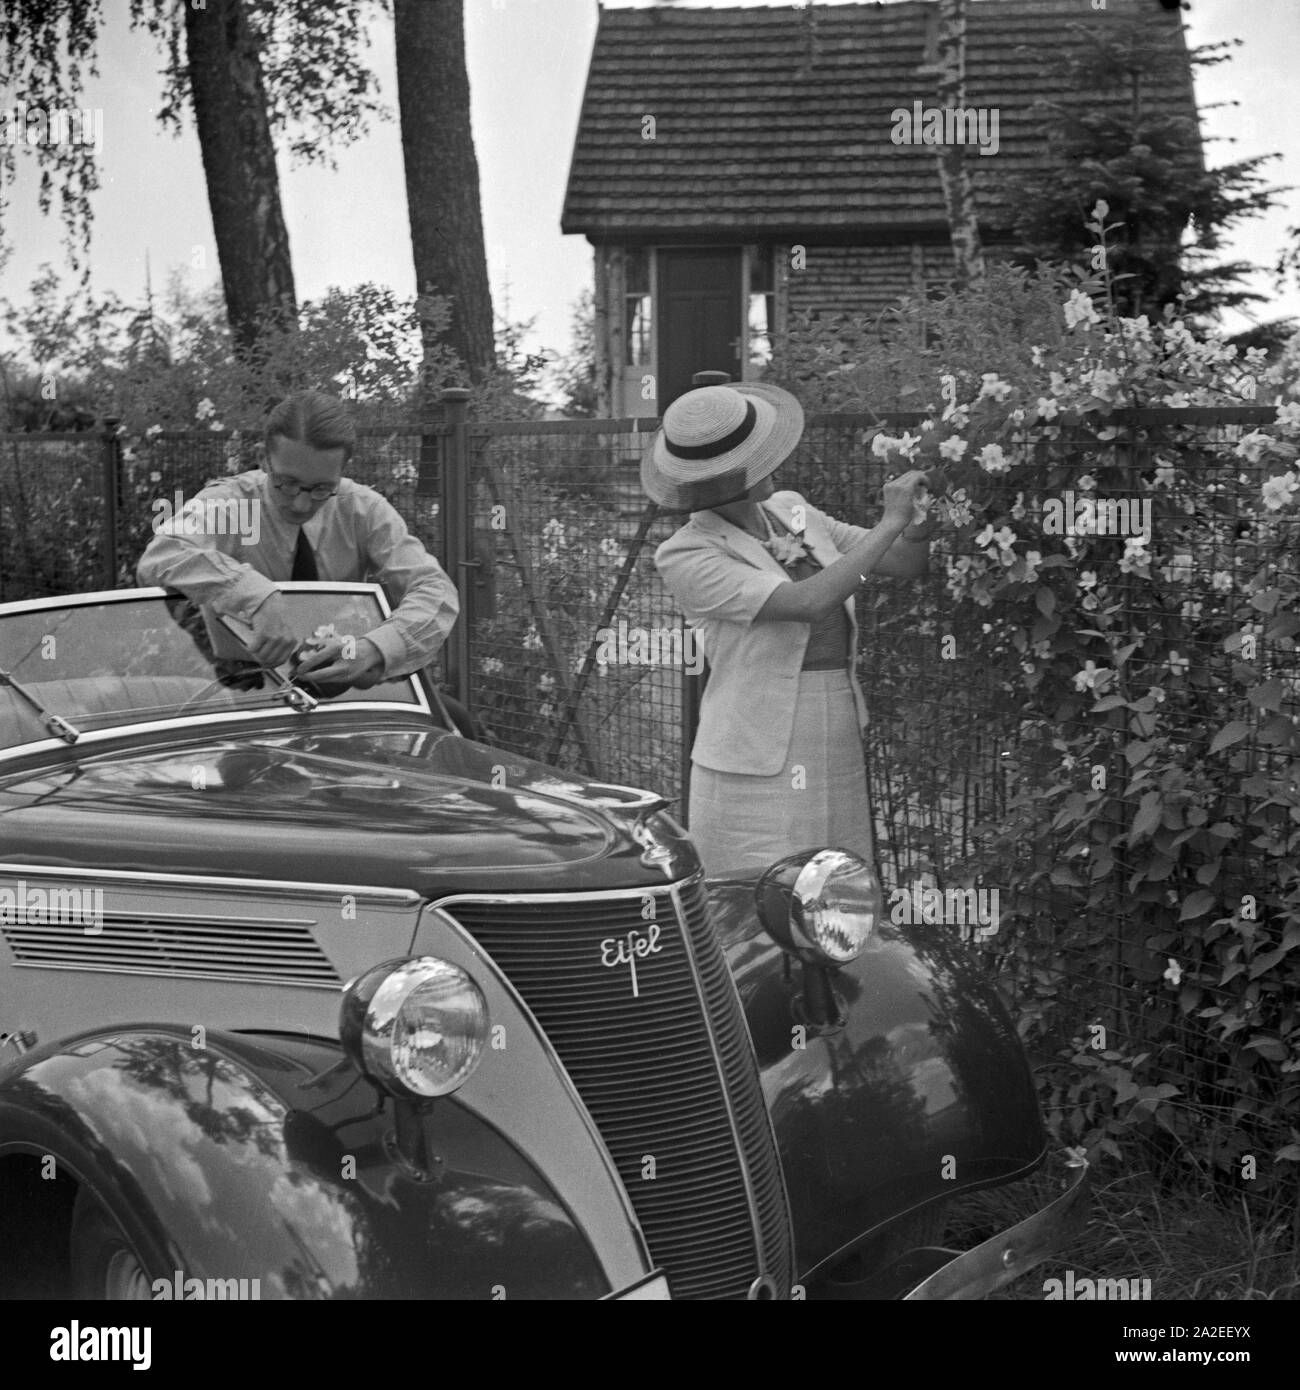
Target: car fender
{"x": 921, "y": 1092}
{"x": 267, "y": 1157}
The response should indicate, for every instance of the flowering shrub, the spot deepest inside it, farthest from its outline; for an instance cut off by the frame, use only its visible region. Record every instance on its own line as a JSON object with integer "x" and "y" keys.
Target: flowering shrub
{"x": 1146, "y": 679}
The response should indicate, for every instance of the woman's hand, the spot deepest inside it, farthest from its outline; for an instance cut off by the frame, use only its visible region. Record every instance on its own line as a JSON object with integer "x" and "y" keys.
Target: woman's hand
{"x": 900, "y": 496}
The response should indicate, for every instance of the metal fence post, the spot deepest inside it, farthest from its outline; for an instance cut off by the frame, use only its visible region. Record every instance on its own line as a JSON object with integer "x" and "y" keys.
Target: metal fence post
{"x": 110, "y": 488}
{"x": 454, "y": 515}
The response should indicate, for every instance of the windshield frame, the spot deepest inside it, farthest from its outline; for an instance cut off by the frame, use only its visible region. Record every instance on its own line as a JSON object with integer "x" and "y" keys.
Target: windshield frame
{"x": 421, "y": 708}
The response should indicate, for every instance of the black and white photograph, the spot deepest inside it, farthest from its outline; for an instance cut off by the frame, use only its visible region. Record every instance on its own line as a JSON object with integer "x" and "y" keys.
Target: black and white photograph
{"x": 650, "y": 650}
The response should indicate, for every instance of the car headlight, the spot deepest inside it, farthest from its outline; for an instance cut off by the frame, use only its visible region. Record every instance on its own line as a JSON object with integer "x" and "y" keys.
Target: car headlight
{"x": 416, "y": 1027}
{"x": 822, "y": 906}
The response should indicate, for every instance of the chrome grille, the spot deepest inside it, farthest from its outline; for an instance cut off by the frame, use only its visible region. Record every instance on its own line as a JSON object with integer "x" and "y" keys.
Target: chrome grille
{"x": 257, "y": 949}
{"x": 677, "y": 1102}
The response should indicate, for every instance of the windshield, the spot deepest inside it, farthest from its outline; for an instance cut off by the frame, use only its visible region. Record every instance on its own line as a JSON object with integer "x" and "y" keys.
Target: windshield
{"x": 121, "y": 661}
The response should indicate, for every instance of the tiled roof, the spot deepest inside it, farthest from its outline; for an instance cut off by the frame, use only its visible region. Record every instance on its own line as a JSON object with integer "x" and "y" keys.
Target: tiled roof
{"x": 777, "y": 120}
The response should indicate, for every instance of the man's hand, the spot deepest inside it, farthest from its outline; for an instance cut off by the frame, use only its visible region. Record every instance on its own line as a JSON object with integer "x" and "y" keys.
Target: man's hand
{"x": 328, "y": 665}
{"x": 274, "y": 641}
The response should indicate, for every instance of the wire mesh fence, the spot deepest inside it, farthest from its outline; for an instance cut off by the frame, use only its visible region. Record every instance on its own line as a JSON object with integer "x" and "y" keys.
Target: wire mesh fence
{"x": 575, "y": 662}
{"x": 53, "y": 517}
{"x": 571, "y": 651}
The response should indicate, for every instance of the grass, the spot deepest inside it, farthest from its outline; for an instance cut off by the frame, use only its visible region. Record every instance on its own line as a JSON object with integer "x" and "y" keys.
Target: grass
{"x": 1189, "y": 1244}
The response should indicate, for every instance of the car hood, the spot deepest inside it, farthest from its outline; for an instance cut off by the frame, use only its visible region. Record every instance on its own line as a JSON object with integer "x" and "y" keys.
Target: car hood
{"x": 403, "y": 808}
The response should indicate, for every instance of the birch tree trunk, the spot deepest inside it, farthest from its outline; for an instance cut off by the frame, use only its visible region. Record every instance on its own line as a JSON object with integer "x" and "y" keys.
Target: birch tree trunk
{"x": 954, "y": 171}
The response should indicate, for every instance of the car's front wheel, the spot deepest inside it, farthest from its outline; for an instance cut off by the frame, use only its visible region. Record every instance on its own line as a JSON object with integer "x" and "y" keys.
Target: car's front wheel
{"x": 105, "y": 1265}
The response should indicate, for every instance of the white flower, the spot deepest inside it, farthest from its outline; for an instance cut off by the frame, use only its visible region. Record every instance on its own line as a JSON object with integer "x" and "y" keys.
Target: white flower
{"x": 1178, "y": 664}
{"x": 994, "y": 387}
{"x": 1174, "y": 972}
{"x": 1288, "y": 415}
{"x": 1085, "y": 482}
{"x": 610, "y": 547}
{"x": 127, "y": 455}
{"x": 1156, "y": 693}
{"x": 1018, "y": 507}
{"x": 1278, "y": 492}
{"x": 553, "y": 530}
{"x": 1047, "y": 408}
{"x": 882, "y": 444}
{"x": 993, "y": 460}
{"x": 1088, "y": 579}
{"x": 1164, "y": 473}
{"x": 1059, "y": 384}
{"x": 1252, "y": 447}
{"x": 204, "y": 409}
{"x": 1221, "y": 581}
{"x": 953, "y": 448}
{"x": 1036, "y": 353}
{"x": 1179, "y": 569}
{"x": 546, "y": 681}
{"x": 1135, "y": 559}
{"x": 1079, "y": 309}
{"x": 1093, "y": 677}
{"x": 545, "y": 711}
{"x": 155, "y": 477}
{"x": 157, "y": 429}
{"x": 532, "y": 641}
{"x": 959, "y": 513}
{"x": 1191, "y": 609}
{"x": 907, "y": 445}
{"x": 216, "y": 425}
{"x": 1101, "y": 382}
{"x": 1033, "y": 558}
{"x": 492, "y": 666}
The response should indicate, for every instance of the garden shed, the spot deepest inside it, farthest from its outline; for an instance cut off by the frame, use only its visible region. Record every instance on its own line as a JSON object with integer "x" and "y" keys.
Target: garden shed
{"x": 735, "y": 166}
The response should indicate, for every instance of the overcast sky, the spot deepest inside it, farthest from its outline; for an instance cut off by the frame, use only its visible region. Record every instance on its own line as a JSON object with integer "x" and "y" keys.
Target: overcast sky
{"x": 527, "y": 64}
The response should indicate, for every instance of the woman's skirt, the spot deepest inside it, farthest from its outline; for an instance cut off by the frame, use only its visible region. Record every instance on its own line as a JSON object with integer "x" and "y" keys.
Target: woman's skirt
{"x": 818, "y": 800}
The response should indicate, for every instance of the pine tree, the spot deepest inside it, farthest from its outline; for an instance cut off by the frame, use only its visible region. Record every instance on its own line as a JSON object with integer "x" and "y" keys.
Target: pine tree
{"x": 1112, "y": 135}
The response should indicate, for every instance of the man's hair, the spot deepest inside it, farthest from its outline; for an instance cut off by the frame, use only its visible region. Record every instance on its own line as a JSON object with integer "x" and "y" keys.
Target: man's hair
{"x": 312, "y": 417}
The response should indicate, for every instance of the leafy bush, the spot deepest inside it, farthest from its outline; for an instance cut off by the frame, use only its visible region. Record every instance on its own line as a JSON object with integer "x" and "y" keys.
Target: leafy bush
{"x": 1147, "y": 825}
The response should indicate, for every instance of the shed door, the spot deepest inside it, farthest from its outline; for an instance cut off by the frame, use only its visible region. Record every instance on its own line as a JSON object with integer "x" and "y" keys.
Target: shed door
{"x": 700, "y": 316}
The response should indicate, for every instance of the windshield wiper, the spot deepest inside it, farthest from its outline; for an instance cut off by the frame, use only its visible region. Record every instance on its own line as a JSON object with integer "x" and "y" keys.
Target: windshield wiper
{"x": 54, "y": 723}
{"x": 293, "y": 695}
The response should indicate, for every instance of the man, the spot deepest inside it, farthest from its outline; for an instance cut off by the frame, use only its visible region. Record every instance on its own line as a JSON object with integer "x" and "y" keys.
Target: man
{"x": 312, "y": 523}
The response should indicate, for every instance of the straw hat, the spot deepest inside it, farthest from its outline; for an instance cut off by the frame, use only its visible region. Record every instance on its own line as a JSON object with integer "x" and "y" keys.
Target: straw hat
{"x": 717, "y": 442}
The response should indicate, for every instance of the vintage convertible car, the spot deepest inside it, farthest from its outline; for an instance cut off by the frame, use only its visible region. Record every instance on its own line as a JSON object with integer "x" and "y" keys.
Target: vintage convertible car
{"x": 314, "y": 997}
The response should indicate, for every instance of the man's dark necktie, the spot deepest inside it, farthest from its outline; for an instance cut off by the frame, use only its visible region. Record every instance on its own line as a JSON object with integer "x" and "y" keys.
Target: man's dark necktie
{"x": 304, "y": 559}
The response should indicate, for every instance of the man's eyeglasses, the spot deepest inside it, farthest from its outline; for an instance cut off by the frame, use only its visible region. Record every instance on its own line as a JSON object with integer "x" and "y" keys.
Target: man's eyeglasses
{"x": 291, "y": 487}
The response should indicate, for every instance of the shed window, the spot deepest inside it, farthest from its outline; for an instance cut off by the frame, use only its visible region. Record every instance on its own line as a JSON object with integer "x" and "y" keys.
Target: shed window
{"x": 636, "y": 307}
{"x": 762, "y": 306}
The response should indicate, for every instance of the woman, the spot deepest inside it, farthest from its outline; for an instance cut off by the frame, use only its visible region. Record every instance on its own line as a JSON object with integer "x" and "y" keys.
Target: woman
{"x": 768, "y": 581}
